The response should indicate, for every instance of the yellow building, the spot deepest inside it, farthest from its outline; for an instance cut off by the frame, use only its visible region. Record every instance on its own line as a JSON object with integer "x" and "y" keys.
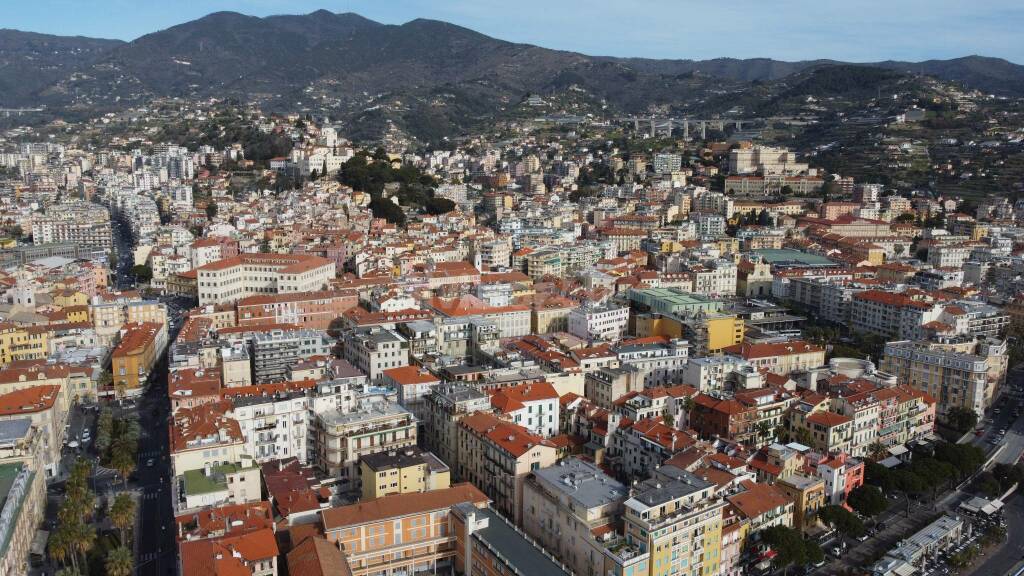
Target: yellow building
{"x": 67, "y": 297}
{"x": 22, "y": 343}
{"x": 402, "y": 472}
{"x": 678, "y": 523}
{"x": 808, "y": 496}
{"x": 139, "y": 349}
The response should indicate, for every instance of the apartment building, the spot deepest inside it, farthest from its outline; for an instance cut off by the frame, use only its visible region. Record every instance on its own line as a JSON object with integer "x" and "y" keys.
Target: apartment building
{"x": 374, "y": 350}
{"x": 780, "y": 358}
{"x": 275, "y": 352}
{"x": 313, "y": 310}
{"x": 709, "y": 373}
{"x": 606, "y": 385}
{"x": 77, "y": 222}
{"x": 662, "y": 360}
{"x": 892, "y": 315}
{"x": 274, "y": 426}
{"x": 205, "y": 436}
{"x": 496, "y": 456}
{"x": 139, "y": 349}
{"x": 400, "y": 533}
{"x": 722, "y": 417}
{"x": 445, "y": 407}
{"x": 343, "y": 436}
{"x": 764, "y": 160}
{"x": 19, "y": 342}
{"x": 678, "y": 523}
{"x": 598, "y": 322}
{"x": 402, "y": 472}
{"x": 566, "y": 509}
{"x": 109, "y": 316}
{"x": 763, "y": 506}
{"x": 44, "y": 408}
{"x": 533, "y": 406}
{"x": 964, "y": 372}
{"x": 22, "y": 507}
{"x": 232, "y": 279}
{"x": 413, "y": 385}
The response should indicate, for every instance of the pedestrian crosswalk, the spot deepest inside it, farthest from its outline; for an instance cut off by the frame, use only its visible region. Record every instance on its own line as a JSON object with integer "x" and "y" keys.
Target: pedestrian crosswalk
{"x": 151, "y": 496}
{"x": 102, "y": 472}
{"x": 148, "y": 557}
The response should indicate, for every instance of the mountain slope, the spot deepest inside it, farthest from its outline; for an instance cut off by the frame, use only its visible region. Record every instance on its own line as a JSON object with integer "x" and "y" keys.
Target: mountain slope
{"x": 30, "y": 62}
{"x": 351, "y": 64}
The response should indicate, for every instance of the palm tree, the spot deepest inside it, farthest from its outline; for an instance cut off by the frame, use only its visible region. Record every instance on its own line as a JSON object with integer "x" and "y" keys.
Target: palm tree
{"x": 61, "y": 548}
{"x": 83, "y": 539}
{"x": 119, "y": 562}
{"x": 123, "y": 461}
{"x": 122, "y": 514}
{"x": 877, "y": 451}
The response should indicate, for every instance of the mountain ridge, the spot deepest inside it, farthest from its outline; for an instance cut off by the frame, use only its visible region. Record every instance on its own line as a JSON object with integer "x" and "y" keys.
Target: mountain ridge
{"x": 348, "y": 63}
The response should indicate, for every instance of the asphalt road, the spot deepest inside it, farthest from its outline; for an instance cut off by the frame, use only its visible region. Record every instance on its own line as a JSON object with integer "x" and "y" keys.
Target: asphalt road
{"x": 1012, "y": 551}
{"x": 156, "y": 551}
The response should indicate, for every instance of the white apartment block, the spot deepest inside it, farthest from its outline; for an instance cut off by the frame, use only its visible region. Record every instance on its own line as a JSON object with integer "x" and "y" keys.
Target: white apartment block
{"x": 598, "y": 322}
{"x": 273, "y": 427}
{"x": 949, "y": 255}
{"x": 235, "y": 278}
{"x": 662, "y": 362}
{"x": 374, "y": 350}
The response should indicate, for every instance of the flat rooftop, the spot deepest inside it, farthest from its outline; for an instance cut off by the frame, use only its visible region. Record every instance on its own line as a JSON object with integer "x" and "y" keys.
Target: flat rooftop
{"x": 511, "y": 545}
{"x": 583, "y": 482}
{"x": 784, "y": 256}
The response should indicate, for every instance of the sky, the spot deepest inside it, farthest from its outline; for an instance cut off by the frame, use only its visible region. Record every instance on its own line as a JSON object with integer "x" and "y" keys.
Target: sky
{"x": 850, "y": 30}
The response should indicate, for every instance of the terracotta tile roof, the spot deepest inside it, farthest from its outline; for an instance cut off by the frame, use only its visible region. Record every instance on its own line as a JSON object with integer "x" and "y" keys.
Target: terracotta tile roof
{"x": 233, "y": 519}
{"x": 315, "y": 556}
{"x": 395, "y": 505}
{"x": 749, "y": 351}
{"x": 512, "y": 398}
{"x": 29, "y": 400}
{"x": 514, "y": 439}
{"x": 758, "y": 499}
{"x": 217, "y": 556}
{"x": 33, "y": 370}
{"x": 828, "y": 419}
{"x": 292, "y": 487}
{"x": 406, "y": 375}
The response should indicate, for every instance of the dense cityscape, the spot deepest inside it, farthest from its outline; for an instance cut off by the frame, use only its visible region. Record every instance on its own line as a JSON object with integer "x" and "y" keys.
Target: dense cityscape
{"x": 239, "y": 337}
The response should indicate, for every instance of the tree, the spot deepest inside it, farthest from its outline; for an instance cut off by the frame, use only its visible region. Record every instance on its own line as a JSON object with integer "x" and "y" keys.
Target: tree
{"x": 122, "y": 515}
{"x": 123, "y": 460}
{"x": 905, "y": 218}
{"x": 868, "y": 500}
{"x": 877, "y": 451}
{"x": 436, "y": 206}
{"x": 790, "y": 547}
{"x": 119, "y": 562}
{"x": 62, "y": 549}
{"x": 961, "y": 419}
{"x": 842, "y": 519}
{"x": 987, "y": 484}
{"x": 143, "y": 274}
{"x": 880, "y": 476}
{"x": 211, "y": 210}
{"x": 803, "y": 436}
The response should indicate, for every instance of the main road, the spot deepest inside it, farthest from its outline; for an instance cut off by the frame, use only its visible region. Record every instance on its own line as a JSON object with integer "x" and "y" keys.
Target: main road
{"x": 155, "y": 546}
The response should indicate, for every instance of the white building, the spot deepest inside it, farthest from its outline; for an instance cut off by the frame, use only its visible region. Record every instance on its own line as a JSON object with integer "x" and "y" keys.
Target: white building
{"x": 235, "y": 278}
{"x": 606, "y": 322}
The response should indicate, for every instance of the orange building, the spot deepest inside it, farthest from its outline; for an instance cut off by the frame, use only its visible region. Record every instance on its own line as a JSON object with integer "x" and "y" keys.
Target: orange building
{"x": 400, "y": 531}
{"x": 139, "y": 349}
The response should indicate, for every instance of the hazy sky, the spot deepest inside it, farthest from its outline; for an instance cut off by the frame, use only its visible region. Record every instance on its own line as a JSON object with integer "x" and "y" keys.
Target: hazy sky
{"x": 854, "y": 30}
